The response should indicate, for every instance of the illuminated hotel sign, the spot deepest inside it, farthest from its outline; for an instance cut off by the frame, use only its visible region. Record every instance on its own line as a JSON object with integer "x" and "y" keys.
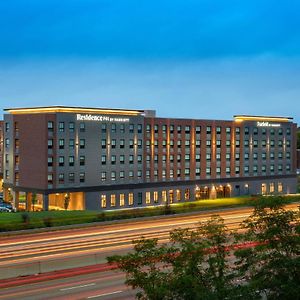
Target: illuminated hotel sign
{"x": 268, "y": 124}
{"x": 99, "y": 118}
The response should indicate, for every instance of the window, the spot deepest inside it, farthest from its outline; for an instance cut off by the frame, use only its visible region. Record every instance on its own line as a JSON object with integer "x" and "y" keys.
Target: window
{"x": 208, "y": 129}
{"x": 61, "y": 178}
{"x": 103, "y": 159}
{"x": 103, "y": 176}
{"x": 228, "y": 143}
{"x": 218, "y": 130}
{"x": 178, "y": 157}
{"x": 71, "y": 177}
{"x": 71, "y": 126}
{"x": 71, "y": 144}
{"x": 131, "y": 128}
{"x": 237, "y": 143}
{"x": 272, "y": 155}
{"x": 288, "y": 131}
{"x": 272, "y": 187}
{"x": 103, "y": 201}
{"x": 122, "y": 174}
{"x": 227, "y": 156}
{"x": 187, "y": 129}
{"x": 197, "y": 171}
{"x": 140, "y": 128}
{"x": 140, "y": 198}
{"x": 131, "y": 159}
{"x": 264, "y": 143}
{"x": 50, "y": 143}
{"x": 112, "y": 200}
{"x": 178, "y": 173}
{"x": 171, "y": 173}
{"x": 171, "y": 128}
{"x": 218, "y": 143}
{"x": 122, "y": 128}
{"x": 61, "y": 143}
{"x": 131, "y": 144}
{"x": 237, "y": 156}
{"x": 122, "y": 199}
{"x": 113, "y": 175}
{"x": 139, "y": 174}
{"x": 186, "y": 171}
{"x": 246, "y": 130}
{"x": 187, "y": 157}
{"x": 130, "y": 199}
{"x": 198, "y": 157}
{"x": 246, "y": 156}
{"x": 7, "y": 126}
{"x": 288, "y": 155}
{"x": 82, "y": 160}
{"x": 71, "y": 161}
{"x": 272, "y": 168}
{"x": 246, "y": 169}
{"x": 50, "y": 161}
{"x": 237, "y": 170}
{"x": 178, "y": 129}
{"x": 178, "y": 195}
{"x": 255, "y": 143}
{"x": 82, "y": 177}
{"x": 113, "y": 127}
{"x": 122, "y": 144}
{"x": 255, "y": 131}
{"x": 164, "y": 196}
{"x": 263, "y": 188}
{"x": 208, "y": 171}
{"x": 122, "y": 159}
{"x": 113, "y": 144}
{"x": 246, "y": 143}
{"x": 280, "y": 131}
{"x": 279, "y": 187}
{"x": 198, "y": 129}
{"x": 140, "y": 144}
{"x": 218, "y": 156}
{"x": 179, "y": 144}
{"x": 208, "y": 157}
{"x": 187, "y": 143}
{"x": 227, "y": 170}
{"x": 148, "y": 197}
{"x": 255, "y": 168}
{"x": 113, "y": 159}
{"x": 155, "y": 128}
{"x": 82, "y": 143}
{"x": 61, "y": 126}
{"x": 187, "y": 194}
{"x": 139, "y": 159}
{"x": 103, "y": 143}
{"x": 61, "y": 161}
{"x": 264, "y": 156}
{"x": 208, "y": 143}
{"x": 50, "y": 178}
{"x": 228, "y": 130}
{"x": 50, "y": 125}
{"x": 255, "y": 156}
{"x": 155, "y": 197}
{"x": 131, "y": 174}
{"x": 103, "y": 127}
{"x": 82, "y": 127}
{"x": 198, "y": 143}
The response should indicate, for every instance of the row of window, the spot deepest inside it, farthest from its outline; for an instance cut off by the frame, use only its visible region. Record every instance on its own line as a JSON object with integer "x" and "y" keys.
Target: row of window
{"x": 104, "y": 127}
{"x": 218, "y": 129}
{"x": 208, "y": 171}
{"x": 104, "y": 143}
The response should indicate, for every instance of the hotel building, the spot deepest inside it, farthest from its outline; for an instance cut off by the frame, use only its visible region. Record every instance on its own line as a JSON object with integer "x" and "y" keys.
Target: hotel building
{"x": 95, "y": 158}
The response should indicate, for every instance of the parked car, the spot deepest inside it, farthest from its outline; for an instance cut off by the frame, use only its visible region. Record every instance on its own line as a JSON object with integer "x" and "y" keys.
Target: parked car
{"x": 6, "y": 207}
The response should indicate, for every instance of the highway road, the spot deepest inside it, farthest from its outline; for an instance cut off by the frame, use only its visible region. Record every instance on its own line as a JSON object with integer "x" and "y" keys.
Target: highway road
{"x": 90, "y": 245}
{"x": 103, "y": 286}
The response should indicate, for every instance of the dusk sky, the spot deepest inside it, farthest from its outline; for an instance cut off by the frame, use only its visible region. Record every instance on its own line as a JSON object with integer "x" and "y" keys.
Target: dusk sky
{"x": 189, "y": 58}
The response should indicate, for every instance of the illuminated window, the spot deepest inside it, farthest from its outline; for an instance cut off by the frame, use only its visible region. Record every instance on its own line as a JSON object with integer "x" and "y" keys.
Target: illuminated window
{"x": 130, "y": 199}
{"x": 272, "y": 187}
{"x": 155, "y": 196}
{"x": 171, "y": 196}
{"x": 112, "y": 200}
{"x": 164, "y": 196}
{"x": 187, "y": 194}
{"x": 178, "y": 195}
{"x": 263, "y": 189}
{"x": 103, "y": 201}
{"x": 279, "y": 187}
{"x": 148, "y": 197}
{"x": 122, "y": 199}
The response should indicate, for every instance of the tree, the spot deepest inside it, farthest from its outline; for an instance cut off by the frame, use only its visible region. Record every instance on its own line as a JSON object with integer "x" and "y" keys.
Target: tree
{"x": 272, "y": 267}
{"x": 194, "y": 265}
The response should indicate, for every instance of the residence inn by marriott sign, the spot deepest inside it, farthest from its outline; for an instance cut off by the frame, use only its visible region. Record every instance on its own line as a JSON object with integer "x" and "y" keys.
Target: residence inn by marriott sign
{"x": 101, "y": 118}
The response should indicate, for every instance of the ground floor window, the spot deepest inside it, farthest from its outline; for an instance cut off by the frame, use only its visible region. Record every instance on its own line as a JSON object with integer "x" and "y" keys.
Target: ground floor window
{"x": 280, "y": 187}
{"x": 155, "y": 197}
{"x": 178, "y": 195}
{"x": 164, "y": 196}
{"x": 130, "y": 199}
{"x": 122, "y": 199}
{"x": 113, "y": 200}
{"x": 148, "y": 197}
{"x": 272, "y": 187}
{"x": 171, "y": 196}
{"x": 103, "y": 201}
{"x": 187, "y": 194}
{"x": 263, "y": 188}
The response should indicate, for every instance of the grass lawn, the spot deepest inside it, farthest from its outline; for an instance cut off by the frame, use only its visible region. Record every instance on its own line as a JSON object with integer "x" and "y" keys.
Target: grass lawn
{"x": 28, "y": 220}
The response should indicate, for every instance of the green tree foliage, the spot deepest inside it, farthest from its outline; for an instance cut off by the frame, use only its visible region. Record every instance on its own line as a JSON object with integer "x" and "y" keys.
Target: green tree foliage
{"x": 201, "y": 263}
{"x": 272, "y": 268}
{"x": 194, "y": 265}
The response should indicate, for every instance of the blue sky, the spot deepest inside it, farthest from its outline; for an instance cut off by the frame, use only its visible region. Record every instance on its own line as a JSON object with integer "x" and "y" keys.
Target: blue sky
{"x": 189, "y": 59}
